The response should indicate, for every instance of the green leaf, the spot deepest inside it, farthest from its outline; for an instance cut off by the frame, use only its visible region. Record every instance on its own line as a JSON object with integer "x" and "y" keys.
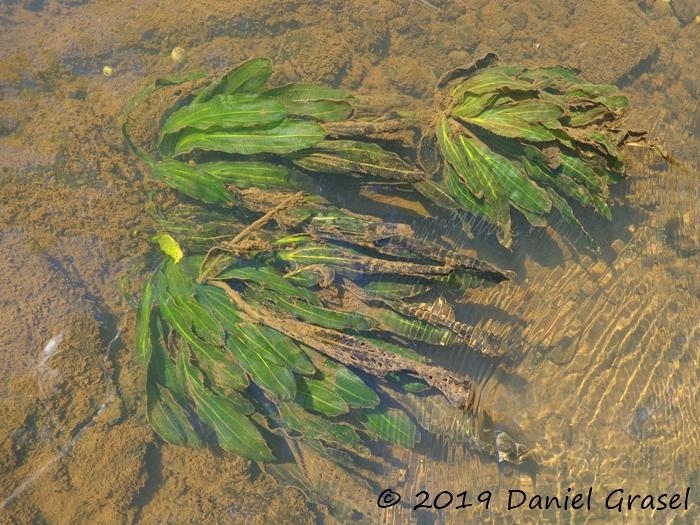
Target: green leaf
{"x": 438, "y": 193}
{"x": 240, "y": 111}
{"x": 458, "y": 160}
{"x": 182, "y": 322}
{"x": 318, "y": 254}
{"x": 312, "y": 426}
{"x": 490, "y": 80}
{"x": 161, "y": 368}
{"x": 180, "y": 279}
{"x": 263, "y": 175}
{"x": 472, "y": 105}
{"x": 253, "y": 353}
{"x": 531, "y": 110}
{"x": 351, "y": 388}
{"x": 217, "y": 303}
{"x": 501, "y": 121}
{"x": 193, "y": 182}
{"x": 342, "y": 222}
{"x": 225, "y": 374}
{"x": 221, "y": 371}
{"x": 564, "y": 183}
{"x": 589, "y": 92}
{"x": 248, "y": 77}
{"x": 321, "y": 397}
{"x": 350, "y": 156}
{"x": 267, "y": 277}
{"x": 143, "y": 343}
{"x": 580, "y": 171}
{"x": 393, "y": 290}
{"x": 169, "y": 419}
{"x": 495, "y": 212}
{"x": 299, "y": 92}
{"x": 311, "y": 276}
{"x": 286, "y": 351}
{"x": 536, "y": 164}
{"x": 321, "y": 110}
{"x": 324, "y": 317}
{"x": 618, "y": 103}
{"x": 289, "y": 136}
{"x": 582, "y": 118}
{"x": 607, "y": 146}
{"x": 391, "y": 424}
{"x": 235, "y": 432}
{"x": 203, "y": 324}
{"x": 479, "y": 175}
{"x": 519, "y": 189}
{"x": 568, "y": 186}
{"x": 556, "y": 78}
{"x": 414, "y": 329}
{"x": 166, "y": 146}
{"x": 494, "y": 206}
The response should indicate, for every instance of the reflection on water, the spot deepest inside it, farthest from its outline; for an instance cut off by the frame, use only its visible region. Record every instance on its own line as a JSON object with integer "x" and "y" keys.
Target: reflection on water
{"x": 611, "y": 374}
{"x": 600, "y": 364}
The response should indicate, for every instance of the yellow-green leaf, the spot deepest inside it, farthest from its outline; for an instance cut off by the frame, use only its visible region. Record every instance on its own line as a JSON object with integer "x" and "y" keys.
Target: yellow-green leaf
{"x": 169, "y": 246}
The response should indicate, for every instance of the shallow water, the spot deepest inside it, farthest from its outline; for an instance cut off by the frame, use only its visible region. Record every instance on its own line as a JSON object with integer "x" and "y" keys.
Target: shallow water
{"x": 602, "y": 362}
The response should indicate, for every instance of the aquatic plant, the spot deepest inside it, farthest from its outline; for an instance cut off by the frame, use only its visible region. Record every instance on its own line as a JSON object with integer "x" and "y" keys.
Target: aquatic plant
{"x": 252, "y": 336}
{"x": 239, "y": 119}
{"x": 277, "y": 316}
{"x": 275, "y": 313}
{"x": 527, "y": 138}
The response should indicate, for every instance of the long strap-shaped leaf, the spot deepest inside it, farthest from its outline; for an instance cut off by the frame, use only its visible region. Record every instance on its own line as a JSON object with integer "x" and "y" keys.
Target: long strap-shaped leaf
{"x": 247, "y": 77}
{"x": 193, "y": 182}
{"x": 240, "y": 111}
{"x": 256, "y": 357}
{"x": 234, "y": 431}
{"x": 358, "y": 352}
{"x": 350, "y": 156}
{"x": 287, "y": 137}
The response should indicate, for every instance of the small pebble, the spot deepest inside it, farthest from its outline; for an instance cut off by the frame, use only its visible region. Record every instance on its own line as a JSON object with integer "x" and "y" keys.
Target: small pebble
{"x": 52, "y": 345}
{"x": 458, "y": 57}
{"x": 178, "y": 55}
{"x": 505, "y": 31}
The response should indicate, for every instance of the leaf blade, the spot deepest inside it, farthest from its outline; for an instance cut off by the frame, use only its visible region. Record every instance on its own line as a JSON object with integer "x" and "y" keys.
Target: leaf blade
{"x": 289, "y": 136}
{"x": 240, "y": 111}
{"x": 392, "y": 425}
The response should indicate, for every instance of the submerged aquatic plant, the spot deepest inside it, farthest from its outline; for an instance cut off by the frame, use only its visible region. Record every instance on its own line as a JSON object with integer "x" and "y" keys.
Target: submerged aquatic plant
{"x": 236, "y": 120}
{"x": 527, "y": 138}
{"x": 276, "y": 314}
{"x": 253, "y": 338}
